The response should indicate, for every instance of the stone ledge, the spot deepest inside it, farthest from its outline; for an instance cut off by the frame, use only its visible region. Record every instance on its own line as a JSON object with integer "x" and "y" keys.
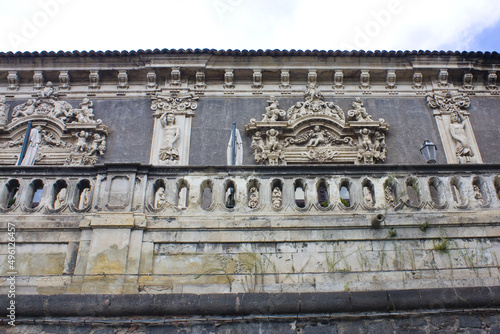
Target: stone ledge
{"x": 253, "y": 303}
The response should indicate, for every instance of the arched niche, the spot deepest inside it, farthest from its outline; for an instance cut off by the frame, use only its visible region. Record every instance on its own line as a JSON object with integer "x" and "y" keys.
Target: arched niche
{"x": 182, "y": 194}
{"x": 253, "y": 193}
{"x": 322, "y": 193}
{"x": 158, "y": 194}
{"x": 82, "y": 198}
{"x": 497, "y": 186}
{"x": 59, "y": 195}
{"x": 391, "y": 191}
{"x": 9, "y": 194}
{"x": 436, "y": 190}
{"x": 457, "y": 191}
{"x": 277, "y": 194}
{"x": 413, "y": 192}
{"x": 368, "y": 191}
{"x": 229, "y": 194}
{"x": 345, "y": 193}
{"x": 480, "y": 191}
{"x": 206, "y": 190}
{"x": 34, "y": 194}
{"x": 299, "y": 193}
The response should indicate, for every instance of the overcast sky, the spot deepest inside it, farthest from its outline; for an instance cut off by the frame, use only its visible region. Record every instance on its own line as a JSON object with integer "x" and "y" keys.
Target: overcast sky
{"x": 53, "y": 25}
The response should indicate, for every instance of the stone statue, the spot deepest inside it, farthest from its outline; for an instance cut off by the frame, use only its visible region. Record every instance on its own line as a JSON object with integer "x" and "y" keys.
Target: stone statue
{"x": 317, "y": 137}
{"x": 359, "y": 111}
{"x": 366, "y": 141}
{"x": 81, "y": 141}
{"x": 84, "y": 199}
{"x": 34, "y": 142}
{"x": 168, "y": 153}
{"x": 160, "y": 198}
{"x": 389, "y": 196}
{"x": 24, "y": 110}
{"x": 253, "y": 200}
{"x": 48, "y": 90}
{"x": 86, "y": 112}
{"x": 272, "y": 140}
{"x": 277, "y": 199}
{"x": 478, "y": 195}
{"x": 60, "y": 198}
{"x": 457, "y": 132}
{"x": 4, "y": 110}
{"x": 312, "y": 93}
{"x": 272, "y": 112}
{"x": 367, "y": 196}
{"x": 98, "y": 144}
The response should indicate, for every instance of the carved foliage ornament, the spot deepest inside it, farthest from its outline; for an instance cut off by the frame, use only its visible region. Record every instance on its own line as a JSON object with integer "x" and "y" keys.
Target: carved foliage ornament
{"x": 65, "y": 135}
{"x": 317, "y": 131}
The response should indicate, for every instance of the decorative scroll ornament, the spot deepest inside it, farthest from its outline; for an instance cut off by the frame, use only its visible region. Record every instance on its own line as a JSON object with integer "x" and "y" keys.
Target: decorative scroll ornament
{"x": 455, "y": 129}
{"x": 316, "y": 131}
{"x": 172, "y": 128}
{"x": 67, "y": 135}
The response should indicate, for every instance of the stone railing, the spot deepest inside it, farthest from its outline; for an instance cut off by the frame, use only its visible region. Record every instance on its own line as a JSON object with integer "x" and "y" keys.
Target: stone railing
{"x": 247, "y": 190}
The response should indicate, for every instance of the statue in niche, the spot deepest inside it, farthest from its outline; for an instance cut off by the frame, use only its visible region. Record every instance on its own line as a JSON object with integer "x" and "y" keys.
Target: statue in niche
{"x": 60, "y": 198}
{"x": 168, "y": 153}
{"x": 367, "y": 196}
{"x": 272, "y": 112}
{"x": 359, "y": 111}
{"x": 81, "y": 141}
{"x": 4, "y": 110}
{"x": 98, "y": 144}
{"x": 84, "y": 199}
{"x": 478, "y": 195}
{"x": 160, "y": 198}
{"x": 34, "y": 142}
{"x": 277, "y": 199}
{"x": 457, "y": 132}
{"x": 253, "y": 200}
{"x": 389, "y": 196}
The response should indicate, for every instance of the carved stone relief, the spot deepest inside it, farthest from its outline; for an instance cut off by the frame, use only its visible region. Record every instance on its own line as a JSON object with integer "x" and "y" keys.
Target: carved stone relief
{"x": 60, "y": 134}
{"x": 454, "y": 126}
{"x": 316, "y": 131}
{"x": 172, "y": 128}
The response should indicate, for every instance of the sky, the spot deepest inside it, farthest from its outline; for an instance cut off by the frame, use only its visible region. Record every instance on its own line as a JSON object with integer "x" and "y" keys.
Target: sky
{"x": 68, "y": 25}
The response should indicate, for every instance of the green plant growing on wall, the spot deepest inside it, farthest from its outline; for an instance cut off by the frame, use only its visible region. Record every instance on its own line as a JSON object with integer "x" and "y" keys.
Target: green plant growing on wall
{"x": 392, "y": 233}
{"x": 442, "y": 246}
{"x": 256, "y": 265}
{"x": 333, "y": 260}
{"x": 424, "y": 226}
{"x": 363, "y": 260}
{"x": 345, "y": 202}
{"x": 324, "y": 204}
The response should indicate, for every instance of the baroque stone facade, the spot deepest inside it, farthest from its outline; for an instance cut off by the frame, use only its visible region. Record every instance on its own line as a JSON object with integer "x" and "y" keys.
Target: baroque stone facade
{"x": 127, "y": 196}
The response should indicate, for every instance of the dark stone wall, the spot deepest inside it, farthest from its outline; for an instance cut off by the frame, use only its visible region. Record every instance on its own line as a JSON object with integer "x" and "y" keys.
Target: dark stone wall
{"x": 410, "y": 119}
{"x": 485, "y": 120}
{"x": 130, "y": 123}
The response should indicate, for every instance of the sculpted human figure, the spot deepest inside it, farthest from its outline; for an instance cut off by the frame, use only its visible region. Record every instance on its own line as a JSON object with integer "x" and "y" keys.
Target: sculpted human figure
{"x": 160, "y": 198}
{"x": 318, "y": 137}
{"x": 34, "y": 142}
{"x": 60, "y": 198}
{"x": 272, "y": 111}
{"x": 277, "y": 199}
{"x": 365, "y": 139}
{"x": 359, "y": 111}
{"x": 4, "y": 109}
{"x": 367, "y": 196}
{"x": 389, "y": 196}
{"x": 457, "y": 132}
{"x": 272, "y": 139}
{"x": 24, "y": 110}
{"x": 168, "y": 152}
{"x": 478, "y": 195}
{"x": 48, "y": 90}
{"x": 312, "y": 93}
{"x": 84, "y": 199}
{"x": 253, "y": 200}
{"x": 81, "y": 141}
{"x": 98, "y": 144}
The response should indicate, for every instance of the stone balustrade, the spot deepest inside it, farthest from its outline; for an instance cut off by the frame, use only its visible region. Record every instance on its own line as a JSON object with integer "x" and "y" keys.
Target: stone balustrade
{"x": 248, "y": 190}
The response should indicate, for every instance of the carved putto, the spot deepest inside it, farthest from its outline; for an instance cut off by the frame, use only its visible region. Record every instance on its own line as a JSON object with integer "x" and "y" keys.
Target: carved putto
{"x": 60, "y": 134}
{"x": 317, "y": 131}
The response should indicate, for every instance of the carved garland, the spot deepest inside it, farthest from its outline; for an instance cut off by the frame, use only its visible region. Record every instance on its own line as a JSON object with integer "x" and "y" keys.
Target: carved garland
{"x": 315, "y": 131}
{"x": 65, "y": 135}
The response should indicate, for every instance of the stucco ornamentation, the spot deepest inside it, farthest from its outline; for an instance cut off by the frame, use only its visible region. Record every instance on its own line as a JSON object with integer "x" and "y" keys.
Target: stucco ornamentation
{"x": 317, "y": 131}
{"x": 65, "y": 135}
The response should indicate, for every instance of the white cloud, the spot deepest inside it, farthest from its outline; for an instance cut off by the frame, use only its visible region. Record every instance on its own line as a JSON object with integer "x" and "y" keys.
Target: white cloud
{"x": 244, "y": 24}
